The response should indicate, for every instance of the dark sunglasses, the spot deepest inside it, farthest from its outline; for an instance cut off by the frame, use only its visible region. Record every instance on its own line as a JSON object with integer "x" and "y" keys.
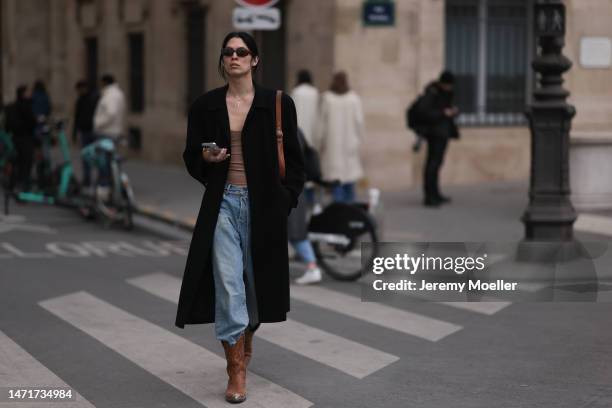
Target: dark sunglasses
{"x": 240, "y": 51}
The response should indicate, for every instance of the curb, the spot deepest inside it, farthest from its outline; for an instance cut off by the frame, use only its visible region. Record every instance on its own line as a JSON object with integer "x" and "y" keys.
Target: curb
{"x": 188, "y": 223}
{"x": 590, "y": 223}
{"x": 165, "y": 216}
{"x": 594, "y": 224}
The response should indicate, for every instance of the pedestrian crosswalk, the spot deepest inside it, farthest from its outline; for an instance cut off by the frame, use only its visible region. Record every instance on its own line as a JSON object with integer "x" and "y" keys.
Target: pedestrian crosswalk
{"x": 337, "y": 352}
{"x": 188, "y": 367}
{"x": 410, "y": 323}
{"x": 20, "y": 369}
{"x": 199, "y": 373}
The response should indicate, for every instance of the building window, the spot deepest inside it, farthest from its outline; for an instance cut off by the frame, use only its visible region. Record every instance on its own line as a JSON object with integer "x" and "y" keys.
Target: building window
{"x": 136, "y": 71}
{"x": 196, "y": 51}
{"x": 91, "y": 62}
{"x": 488, "y": 49}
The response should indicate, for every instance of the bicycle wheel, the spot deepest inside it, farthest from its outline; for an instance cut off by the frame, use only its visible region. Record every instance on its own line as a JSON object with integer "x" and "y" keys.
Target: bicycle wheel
{"x": 117, "y": 207}
{"x": 337, "y": 234}
{"x": 104, "y": 208}
{"x": 127, "y": 206}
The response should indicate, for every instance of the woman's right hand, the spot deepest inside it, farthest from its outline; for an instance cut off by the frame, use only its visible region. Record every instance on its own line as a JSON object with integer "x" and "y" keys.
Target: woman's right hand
{"x": 215, "y": 156}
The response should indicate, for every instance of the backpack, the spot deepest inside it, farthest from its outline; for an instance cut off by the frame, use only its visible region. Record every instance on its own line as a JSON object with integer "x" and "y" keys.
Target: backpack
{"x": 312, "y": 164}
{"x": 414, "y": 116}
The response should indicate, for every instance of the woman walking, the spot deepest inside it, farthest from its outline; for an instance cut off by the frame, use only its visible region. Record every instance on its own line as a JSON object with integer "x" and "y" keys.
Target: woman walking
{"x": 338, "y": 136}
{"x": 237, "y": 272}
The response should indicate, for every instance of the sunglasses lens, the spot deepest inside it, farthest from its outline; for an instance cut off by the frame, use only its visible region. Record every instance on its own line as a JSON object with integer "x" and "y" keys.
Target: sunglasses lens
{"x": 229, "y": 51}
{"x": 242, "y": 52}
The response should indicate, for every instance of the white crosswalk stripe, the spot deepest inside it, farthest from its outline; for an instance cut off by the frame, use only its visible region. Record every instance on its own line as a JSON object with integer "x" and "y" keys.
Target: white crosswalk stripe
{"x": 20, "y": 369}
{"x": 342, "y": 354}
{"x": 188, "y": 367}
{"x": 486, "y": 308}
{"x": 389, "y": 317}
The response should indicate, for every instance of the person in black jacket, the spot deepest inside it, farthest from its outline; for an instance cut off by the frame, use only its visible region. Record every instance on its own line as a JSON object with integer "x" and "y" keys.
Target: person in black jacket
{"x": 297, "y": 229}
{"x": 237, "y": 270}
{"x": 20, "y": 123}
{"x": 84, "y": 110}
{"x": 439, "y": 113}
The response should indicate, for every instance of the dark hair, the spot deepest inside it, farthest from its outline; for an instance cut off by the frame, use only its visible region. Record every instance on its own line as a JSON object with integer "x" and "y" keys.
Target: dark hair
{"x": 21, "y": 90}
{"x": 447, "y": 77}
{"x": 304, "y": 77}
{"x": 339, "y": 83}
{"x": 108, "y": 79}
{"x": 39, "y": 86}
{"x": 249, "y": 41}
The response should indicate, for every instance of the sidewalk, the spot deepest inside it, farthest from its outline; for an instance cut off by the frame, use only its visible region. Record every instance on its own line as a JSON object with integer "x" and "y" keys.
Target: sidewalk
{"x": 480, "y": 212}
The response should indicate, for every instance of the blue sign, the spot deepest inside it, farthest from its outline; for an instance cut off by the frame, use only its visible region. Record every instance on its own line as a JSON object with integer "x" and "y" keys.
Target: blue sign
{"x": 378, "y": 13}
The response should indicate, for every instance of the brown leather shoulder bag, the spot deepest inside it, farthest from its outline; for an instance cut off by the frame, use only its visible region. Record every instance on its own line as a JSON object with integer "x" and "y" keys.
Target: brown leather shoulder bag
{"x": 279, "y": 135}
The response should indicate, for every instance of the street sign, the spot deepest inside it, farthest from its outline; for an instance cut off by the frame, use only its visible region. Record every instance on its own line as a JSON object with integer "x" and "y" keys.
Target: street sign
{"x": 247, "y": 18}
{"x": 378, "y": 13}
{"x": 549, "y": 20}
{"x": 257, "y": 3}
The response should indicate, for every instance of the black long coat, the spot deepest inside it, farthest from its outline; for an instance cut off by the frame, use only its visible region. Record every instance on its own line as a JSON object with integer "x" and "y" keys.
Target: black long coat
{"x": 270, "y": 201}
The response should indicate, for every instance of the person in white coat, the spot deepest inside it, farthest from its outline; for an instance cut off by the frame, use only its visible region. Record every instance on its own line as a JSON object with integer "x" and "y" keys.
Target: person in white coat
{"x": 306, "y": 98}
{"x": 110, "y": 110}
{"x": 340, "y": 131}
{"x": 108, "y": 123}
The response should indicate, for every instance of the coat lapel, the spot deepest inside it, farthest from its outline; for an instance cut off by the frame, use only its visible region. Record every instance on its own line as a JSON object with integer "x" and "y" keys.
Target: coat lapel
{"x": 220, "y": 107}
{"x": 261, "y": 100}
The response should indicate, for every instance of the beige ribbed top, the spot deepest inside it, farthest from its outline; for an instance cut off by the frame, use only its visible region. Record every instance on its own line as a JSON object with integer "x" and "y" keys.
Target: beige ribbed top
{"x": 236, "y": 173}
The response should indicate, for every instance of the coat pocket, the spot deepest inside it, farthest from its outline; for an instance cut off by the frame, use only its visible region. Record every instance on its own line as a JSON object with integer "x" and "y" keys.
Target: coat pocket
{"x": 286, "y": 199}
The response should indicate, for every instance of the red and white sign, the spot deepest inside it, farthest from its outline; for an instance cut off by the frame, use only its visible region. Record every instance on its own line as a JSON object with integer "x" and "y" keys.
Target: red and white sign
{"x": 257, "y": 3}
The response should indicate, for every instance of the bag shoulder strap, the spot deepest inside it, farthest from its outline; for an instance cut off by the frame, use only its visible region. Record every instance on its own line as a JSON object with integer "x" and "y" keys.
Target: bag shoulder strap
{"x": 279, "y": 135}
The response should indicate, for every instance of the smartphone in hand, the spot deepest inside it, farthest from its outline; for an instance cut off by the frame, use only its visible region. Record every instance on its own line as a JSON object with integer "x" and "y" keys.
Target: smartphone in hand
{"x": 212, "y": 146}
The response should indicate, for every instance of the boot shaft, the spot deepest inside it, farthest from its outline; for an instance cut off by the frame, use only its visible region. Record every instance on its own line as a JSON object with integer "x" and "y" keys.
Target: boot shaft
{"x": 236, "y": 370}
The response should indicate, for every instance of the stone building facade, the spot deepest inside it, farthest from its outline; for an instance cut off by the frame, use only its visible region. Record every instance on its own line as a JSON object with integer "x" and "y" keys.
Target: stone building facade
{"x": 165, "y": 52}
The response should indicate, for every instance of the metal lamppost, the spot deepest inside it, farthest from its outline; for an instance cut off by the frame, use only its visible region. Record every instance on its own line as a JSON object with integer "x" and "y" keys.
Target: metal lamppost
{"x": 550, "y": 215}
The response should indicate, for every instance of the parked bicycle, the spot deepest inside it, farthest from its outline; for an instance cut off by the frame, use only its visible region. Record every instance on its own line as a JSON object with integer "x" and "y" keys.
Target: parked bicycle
{"x": 337, "y": 231}
{"x": 113, "y": 203}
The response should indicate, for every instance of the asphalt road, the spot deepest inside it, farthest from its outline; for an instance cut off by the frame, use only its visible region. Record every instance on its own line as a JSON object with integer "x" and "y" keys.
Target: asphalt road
{"x": 93, "y": 309}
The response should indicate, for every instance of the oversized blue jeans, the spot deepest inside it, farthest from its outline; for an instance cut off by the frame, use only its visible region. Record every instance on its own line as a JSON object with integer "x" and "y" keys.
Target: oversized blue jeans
{"x": 304, "y": 250}
{"x": 344, "y": 193}
{"x": 235, "y": 301}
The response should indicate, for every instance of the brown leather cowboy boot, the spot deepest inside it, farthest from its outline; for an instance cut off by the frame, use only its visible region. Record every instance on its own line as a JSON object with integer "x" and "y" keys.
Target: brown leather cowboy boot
{"x": 248, "y": 346}
{"x": 236, "y": 370}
